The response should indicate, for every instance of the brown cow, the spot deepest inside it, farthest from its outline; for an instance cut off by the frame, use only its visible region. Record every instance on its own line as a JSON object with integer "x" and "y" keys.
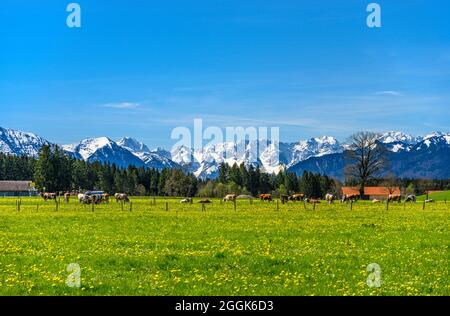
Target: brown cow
{"x": 66, "y": 197}
{"x": 266, "y": 197}
{"x": 394, "y": 198}
{"x": 48, "y": 196}
{"x": 205, "y": 201}
{"x": 230, "y": 198}
{"x": 297, "y": 197}
{"x": 121, "y": 197}
{"x": 105, "y": 198}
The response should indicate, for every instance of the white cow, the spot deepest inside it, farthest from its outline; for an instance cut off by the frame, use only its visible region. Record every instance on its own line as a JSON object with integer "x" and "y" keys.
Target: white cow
{"x": 329, "y": 198}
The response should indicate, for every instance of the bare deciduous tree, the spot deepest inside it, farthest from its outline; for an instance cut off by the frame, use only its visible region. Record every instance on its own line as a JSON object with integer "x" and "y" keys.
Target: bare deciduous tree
{"x": 365, "y": 158}
{"x": 390, "y": 183}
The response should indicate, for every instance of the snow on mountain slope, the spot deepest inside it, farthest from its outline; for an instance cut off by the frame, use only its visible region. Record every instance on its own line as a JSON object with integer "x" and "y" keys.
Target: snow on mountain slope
{"x": 399, "y": 137}
{"x": 20, "y": 143}
{"x": 87, "y": 147}
{"x": 315, "y": 147}
{"x": 435, "y": 140}
{"x": 158, "y": 158}
{"x": 270, "y": 157}
{"x": 133, "y": 145}
{"x": 104, "y": 149}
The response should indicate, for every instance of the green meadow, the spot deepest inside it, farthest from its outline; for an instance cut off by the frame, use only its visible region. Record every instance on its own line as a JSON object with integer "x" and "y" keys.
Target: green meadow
{"x": 437, "y": 196}
{"x": 258, "y": 249}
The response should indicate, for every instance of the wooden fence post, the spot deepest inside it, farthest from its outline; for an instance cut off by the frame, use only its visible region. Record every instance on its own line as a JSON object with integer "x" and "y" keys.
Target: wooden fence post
{"x": 121, "y": 204}
{"x": 167, "y": 206}
{"x": 387, "y": 205}
{"x": 93, "y": 207}
{"x": 234, "y": 205}
{"x": 423, "y": 206}
{"x": 131, "y": 206}
{"x": 314, "y": 206}
{"x": 351, "y": 205}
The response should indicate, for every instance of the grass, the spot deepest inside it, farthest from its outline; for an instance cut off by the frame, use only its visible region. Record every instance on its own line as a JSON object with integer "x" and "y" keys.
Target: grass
{"x": 255, "y": 250}
{"x": 437, "y": 196}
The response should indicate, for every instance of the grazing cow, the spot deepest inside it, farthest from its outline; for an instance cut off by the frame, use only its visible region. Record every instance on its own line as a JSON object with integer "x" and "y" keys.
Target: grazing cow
{"x": 329, "y": 198}
{"x": 410, "y": 198}
{"x": 81, "y": 197}
{"x": 85, "y": 199}
{"x": 94, "y": 199}
{"x": 103, "y": 198}
{"x": 266, "y": 197}
{"x": 297, "y": 197}
{"x": 121, "y": 197}
{"x": 186, "y": 201}
{"x": 394, "y": 198}
{"x": 205, "y": 201}
{"x": 48, "y": 196}
{"x": 66, "y": 197}
{"x": 230, "y": 198}
{"x": 349, "y": 197}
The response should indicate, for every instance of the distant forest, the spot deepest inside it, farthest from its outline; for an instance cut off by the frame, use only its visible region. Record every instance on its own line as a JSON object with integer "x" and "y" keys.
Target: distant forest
{"x": 55, "y": 171}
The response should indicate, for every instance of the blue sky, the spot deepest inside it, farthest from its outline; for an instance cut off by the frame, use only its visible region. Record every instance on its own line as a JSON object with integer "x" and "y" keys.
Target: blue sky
{"x": 141, "y": 68}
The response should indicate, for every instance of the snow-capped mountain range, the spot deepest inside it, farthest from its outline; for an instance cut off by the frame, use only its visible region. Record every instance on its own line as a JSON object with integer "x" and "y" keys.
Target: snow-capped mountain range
{"x": 20, "y": 143}
{"x": 320, "y": 154}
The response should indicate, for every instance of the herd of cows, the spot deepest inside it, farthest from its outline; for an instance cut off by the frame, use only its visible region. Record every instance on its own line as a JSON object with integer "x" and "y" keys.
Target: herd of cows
{"x": 90, "y": 197}
{"x": 329, "y": 198}
{"x": 100, "y": 197}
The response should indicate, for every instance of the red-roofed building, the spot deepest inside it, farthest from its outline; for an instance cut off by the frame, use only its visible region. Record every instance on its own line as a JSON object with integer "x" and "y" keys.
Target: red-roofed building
{"x": 373, "y": 192}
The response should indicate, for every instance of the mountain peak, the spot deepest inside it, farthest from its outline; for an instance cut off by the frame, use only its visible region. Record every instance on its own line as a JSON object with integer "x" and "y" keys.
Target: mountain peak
{"x": 436, "y": 134}
{"x": 396, "y": 136}
{"x": 20, "y": 143}
{"x": 133, "y": 145}
{"x": 89, "y": 146}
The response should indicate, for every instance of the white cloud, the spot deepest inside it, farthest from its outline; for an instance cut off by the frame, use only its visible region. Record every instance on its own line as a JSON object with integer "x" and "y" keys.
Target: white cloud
{"x": 122, "y": 105}
{"x": 391, "y": 93}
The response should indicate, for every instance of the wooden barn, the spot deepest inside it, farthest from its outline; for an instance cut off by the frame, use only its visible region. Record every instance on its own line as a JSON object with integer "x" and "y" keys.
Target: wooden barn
{"x": 379, "y": 193}
{"x": 17, "y": 188}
